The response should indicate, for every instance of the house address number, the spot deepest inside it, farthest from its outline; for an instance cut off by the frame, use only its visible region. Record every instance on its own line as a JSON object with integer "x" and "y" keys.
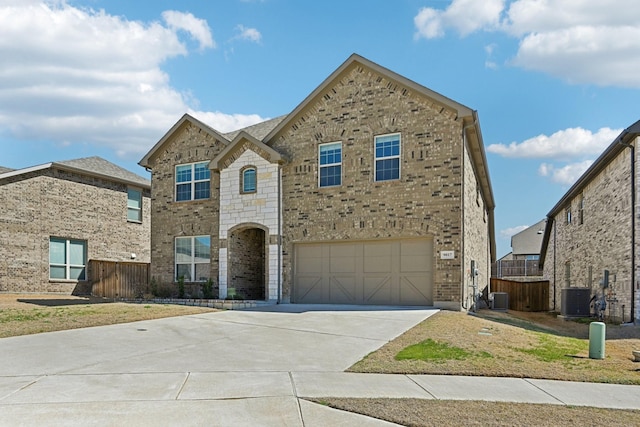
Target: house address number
{"x": 447, "y": 254}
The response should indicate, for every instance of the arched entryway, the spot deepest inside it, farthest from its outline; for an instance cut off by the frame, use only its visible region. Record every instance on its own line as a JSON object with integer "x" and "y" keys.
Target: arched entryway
{"x": 247, "y": 262}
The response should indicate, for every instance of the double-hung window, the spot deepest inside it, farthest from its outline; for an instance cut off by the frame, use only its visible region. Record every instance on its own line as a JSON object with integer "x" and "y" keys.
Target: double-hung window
{"x": 67, "y": 259}
{"x": 193, "y": 181}
{"x": 134, "y": 205}
{"x": 193, "y": 258}
{"x": 330, "y": 164}
{"x": 387, "y": 157}
{"x": 249, "y": 180}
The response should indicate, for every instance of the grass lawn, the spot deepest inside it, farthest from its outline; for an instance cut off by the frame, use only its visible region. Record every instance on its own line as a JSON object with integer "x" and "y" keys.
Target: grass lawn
{"x": 455, "y": 343}
{"x": 31, "y": 314}
{"x": 526, "y": 345}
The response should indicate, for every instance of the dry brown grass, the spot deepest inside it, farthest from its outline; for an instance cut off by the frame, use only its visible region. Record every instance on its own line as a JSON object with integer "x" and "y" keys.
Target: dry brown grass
{"x": 496, "y": 349}
{"x": 424, "y": 413}
{"x": 31, "y": 314}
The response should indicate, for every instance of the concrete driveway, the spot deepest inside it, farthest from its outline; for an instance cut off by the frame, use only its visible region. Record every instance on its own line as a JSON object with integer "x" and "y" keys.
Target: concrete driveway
{"x": 224, "y": 368}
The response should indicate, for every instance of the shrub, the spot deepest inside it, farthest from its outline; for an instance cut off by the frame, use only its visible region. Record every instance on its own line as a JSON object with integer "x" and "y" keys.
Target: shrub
{"x": 181, "y": 287}
{"x": 207, "y": 289}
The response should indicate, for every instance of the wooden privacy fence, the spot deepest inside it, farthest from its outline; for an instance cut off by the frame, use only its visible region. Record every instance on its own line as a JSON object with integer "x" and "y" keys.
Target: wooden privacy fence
{"x": 524, "y": 296}
{"x": 110, "y": 279}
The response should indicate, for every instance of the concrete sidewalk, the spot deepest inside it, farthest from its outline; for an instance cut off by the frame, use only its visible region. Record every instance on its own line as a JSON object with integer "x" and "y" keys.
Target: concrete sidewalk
{"x": 240, "y": 368}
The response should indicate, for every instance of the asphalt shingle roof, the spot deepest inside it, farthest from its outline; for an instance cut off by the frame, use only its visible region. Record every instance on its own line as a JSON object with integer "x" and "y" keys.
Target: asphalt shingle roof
{"x": 98, "y": 165}
{"x": 258, "y": 131}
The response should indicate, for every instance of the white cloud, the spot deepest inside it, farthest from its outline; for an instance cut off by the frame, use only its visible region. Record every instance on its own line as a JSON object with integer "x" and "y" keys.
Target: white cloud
{"x": 197, "y": 28}
{"x": 226, "y": 122}
{"x": 581, "y": 41}
{"x": 508, "y": 232}
{"x": 565, "y": 175}
{"x": 73, "y": 75}
{"x": 465, "y": 16}
{"x": 250, "y": 34}
{"x": 563, "y": 144}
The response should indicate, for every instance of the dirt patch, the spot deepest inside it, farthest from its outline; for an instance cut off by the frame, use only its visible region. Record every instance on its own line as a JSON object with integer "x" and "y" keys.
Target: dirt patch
{"x": 30, "y": 314}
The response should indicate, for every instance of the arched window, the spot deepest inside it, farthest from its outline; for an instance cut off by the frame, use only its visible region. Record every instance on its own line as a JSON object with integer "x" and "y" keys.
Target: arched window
{"x": 248, "y": 178}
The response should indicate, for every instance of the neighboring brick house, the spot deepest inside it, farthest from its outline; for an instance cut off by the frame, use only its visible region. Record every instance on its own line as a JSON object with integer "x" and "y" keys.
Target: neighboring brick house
{"x": 56, "y": 217}
{"x": 374, "y": 190}
{"x": 593, "y": 228}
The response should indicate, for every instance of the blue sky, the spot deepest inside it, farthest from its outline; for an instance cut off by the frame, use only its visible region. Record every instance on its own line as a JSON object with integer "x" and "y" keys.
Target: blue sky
{"x": 553, "y": 81}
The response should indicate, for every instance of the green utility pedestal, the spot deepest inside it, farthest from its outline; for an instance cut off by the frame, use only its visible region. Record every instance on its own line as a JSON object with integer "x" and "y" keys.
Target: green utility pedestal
{"x": 597, "y": 333}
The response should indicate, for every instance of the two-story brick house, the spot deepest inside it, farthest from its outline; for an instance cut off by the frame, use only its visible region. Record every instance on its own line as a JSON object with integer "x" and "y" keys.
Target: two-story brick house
{"x": 373, "y": 190}
{"x": 594, "y": 228}
{"x": 56, "y": 217}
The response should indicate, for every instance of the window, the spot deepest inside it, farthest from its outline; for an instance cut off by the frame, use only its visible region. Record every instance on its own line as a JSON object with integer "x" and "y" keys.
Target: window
{"x": 387, "y": 157}
{"x": 193, "y": 258}
{"x": 192, "y": 182}
{"x": 567, "y": 213}
{"x": 248, "y": 180}
{"x": 67, "y": 259}
{"x": 581, "y": 210}
{"x": 330, "y": 164}
{"x": 134, "y": 205}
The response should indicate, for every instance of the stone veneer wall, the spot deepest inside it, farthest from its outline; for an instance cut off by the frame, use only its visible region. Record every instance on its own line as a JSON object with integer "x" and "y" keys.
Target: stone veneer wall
{"x": 42, "y": 204}
{"x": 426, "y": 201}
{"x": 601, "y": 241}
{"x": 252, "y": 210}
{"x": 173, "y": 219}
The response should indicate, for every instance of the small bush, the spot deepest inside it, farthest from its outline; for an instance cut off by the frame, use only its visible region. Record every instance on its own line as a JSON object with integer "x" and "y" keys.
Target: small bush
{"x": 207, "y": 289}
{"x": 181, "y": 287}
{"x": 164, "y": 290}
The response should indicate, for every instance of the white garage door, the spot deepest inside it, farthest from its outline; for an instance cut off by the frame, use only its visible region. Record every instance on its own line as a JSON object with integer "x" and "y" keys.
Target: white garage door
{"x": 395, "y": 272}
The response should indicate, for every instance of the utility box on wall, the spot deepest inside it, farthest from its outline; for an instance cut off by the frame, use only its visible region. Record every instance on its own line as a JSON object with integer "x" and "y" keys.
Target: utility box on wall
{"x": 575, "y": 302}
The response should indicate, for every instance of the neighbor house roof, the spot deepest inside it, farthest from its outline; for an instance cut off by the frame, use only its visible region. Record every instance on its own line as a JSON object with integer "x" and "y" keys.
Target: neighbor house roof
{"x": 611, "y": 152}
{"x": 3, "y": 169}
{"x": 90, "y": 166}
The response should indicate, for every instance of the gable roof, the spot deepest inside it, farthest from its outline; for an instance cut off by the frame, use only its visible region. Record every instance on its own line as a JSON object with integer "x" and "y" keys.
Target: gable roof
{"x": 263, "y": 150}
{"x": 89, "y": 166}
{"x": 442, "y": 100}
{"x": 186, "y": 118}
{"x": 618, "y": 145}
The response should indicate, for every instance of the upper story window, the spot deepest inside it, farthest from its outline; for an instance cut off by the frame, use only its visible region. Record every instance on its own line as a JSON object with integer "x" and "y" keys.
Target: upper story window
{"x": 134, "y": 205}
{"x": 567, "y": 213}
{"x": 193, "y": 181}
{"x": 67, "y": 259}
{"x": 248, "y": 180}
{"x": 387, "y": 157}
{"x": 330, "y": 164}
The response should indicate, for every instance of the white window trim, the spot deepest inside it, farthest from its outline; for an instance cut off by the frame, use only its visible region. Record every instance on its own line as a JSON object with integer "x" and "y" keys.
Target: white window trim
{"x": 193, "y": 261}
{"x": 67, "y": 265}
{"x": 192, "y": 182}
{"x": 320, "y": 167}
{"x": 139, "y": 210}
{"x": 399, "y": 156}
